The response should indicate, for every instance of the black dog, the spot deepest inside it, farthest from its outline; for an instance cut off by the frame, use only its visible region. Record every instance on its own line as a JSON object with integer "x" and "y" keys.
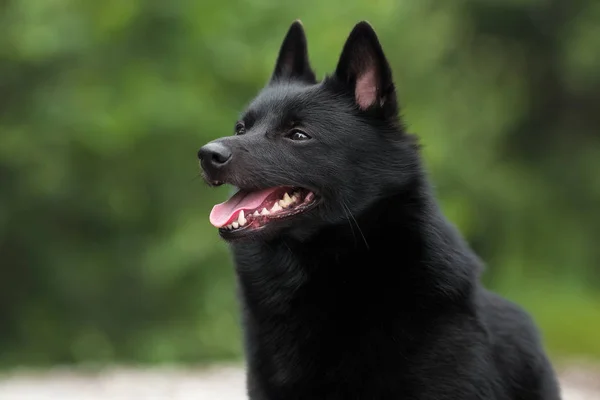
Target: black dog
{"x": 353, "y": 284}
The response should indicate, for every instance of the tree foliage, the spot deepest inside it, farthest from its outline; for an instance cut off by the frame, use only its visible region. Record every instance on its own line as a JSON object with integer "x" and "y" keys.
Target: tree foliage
{"x": 106, "y": 253}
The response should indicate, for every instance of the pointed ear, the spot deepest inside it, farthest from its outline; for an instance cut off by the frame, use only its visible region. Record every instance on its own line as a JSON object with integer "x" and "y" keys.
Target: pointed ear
{"x": 365, "y": 70}
{"x": 292, "y": 62}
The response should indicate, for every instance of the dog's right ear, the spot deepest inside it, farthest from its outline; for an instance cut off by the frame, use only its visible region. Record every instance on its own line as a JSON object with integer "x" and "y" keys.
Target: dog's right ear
{"x": 292, "y": 62}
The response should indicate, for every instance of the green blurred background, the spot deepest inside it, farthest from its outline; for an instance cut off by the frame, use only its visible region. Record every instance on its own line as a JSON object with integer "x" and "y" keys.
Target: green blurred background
{"x": 106, "y": 252}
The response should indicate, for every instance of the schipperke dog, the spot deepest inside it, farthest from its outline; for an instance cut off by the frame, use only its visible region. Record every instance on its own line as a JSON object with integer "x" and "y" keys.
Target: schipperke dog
{"x": 353, "y": 284}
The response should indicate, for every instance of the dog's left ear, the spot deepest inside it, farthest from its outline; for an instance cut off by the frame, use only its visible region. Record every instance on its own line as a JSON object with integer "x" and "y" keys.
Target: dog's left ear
{"x": 364, "y": 69}
{"x": 292, "y": 62}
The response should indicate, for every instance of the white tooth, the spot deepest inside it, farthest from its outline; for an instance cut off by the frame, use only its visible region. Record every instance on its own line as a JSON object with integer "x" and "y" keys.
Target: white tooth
{"x": 229, "y": 227}
{"x": 287, "y": 198}
{"x": 235, "y": 225}
{"x": 264, "y": 212}
{"x": 295, "y": 197}
{"x": 256, "y": 214}
{"x": 242, "y": 219}
{"x": 286, "y": 201}
{"x": 276, "y": 207}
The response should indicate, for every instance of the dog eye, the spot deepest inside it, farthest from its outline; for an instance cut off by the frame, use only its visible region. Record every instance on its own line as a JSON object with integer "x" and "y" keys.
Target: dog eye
{"x": 240, "y": 129}
{"x": 298, "y": 135}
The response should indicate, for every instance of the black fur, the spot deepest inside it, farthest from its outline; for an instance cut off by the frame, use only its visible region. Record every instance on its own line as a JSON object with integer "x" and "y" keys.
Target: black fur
{"x": 372, "y": 294}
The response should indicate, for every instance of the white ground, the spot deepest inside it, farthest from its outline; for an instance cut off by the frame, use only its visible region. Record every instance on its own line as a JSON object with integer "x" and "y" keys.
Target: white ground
{"x": 219, "y": 383}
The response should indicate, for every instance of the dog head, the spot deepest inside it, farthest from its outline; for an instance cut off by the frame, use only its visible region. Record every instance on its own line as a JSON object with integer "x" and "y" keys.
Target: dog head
{"x": 306, "y": 154}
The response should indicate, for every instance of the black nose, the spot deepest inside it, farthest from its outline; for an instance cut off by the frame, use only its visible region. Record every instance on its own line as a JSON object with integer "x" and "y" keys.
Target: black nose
{"x": 214, "y": 155}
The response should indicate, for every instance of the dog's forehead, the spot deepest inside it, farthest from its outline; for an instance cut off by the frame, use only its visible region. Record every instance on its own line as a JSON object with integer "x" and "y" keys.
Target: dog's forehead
{"x": 284, "y": 98}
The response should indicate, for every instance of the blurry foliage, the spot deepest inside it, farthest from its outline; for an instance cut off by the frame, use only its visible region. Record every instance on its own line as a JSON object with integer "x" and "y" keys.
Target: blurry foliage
{"x": 106, "y": 252}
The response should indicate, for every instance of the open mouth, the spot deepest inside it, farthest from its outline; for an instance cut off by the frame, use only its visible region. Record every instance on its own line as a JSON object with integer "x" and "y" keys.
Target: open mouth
{"x": 253, "y": 210}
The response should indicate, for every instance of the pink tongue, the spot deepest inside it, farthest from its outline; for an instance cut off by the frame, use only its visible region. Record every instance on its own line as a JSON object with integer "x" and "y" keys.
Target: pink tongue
{"x": 223, "y": 213}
